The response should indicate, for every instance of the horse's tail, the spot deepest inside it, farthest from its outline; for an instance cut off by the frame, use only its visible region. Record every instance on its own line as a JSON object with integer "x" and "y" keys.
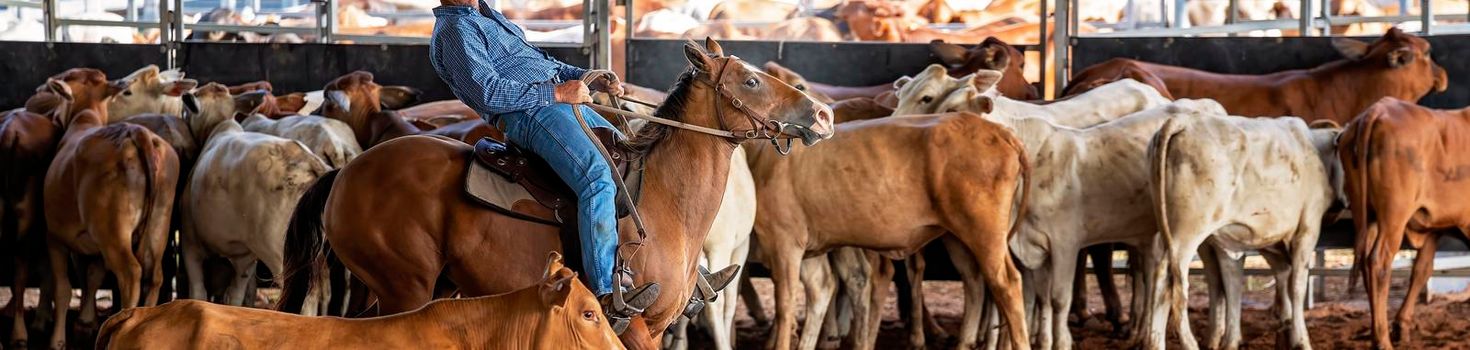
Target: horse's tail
{"x": 1356, "y": 140}
{"x": 1021, "y": 190}
{"x": 306, "y": 245}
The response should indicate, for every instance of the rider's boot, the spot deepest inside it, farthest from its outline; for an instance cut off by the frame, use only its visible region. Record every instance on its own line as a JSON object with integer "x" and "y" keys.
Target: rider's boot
{"x": 621, "y": 306}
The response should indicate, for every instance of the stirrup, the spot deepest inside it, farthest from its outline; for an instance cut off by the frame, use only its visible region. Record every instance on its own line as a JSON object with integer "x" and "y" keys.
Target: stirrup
{"x": 621, "y": 307}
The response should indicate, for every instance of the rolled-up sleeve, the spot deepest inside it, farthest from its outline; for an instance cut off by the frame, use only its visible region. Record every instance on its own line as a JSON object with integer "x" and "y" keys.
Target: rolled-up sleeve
{"x": 569, "y": 72}
{"x": 463, "y": 63}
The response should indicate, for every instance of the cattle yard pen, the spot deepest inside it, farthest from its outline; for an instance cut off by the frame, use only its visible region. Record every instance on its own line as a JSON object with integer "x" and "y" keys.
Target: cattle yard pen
{"x": 656, "y": 62}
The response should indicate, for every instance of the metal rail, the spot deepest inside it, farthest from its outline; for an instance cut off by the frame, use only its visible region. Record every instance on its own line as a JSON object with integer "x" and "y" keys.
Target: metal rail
{"x": 22, "y": 3}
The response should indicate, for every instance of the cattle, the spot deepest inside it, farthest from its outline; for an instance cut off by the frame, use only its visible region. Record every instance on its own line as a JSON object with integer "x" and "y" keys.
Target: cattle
{"x": 109, "y": 192}
{"x": 27, "y": 144}
{"x": 824, "y": 92}
{"x": 556, "y": 313}
{"x": 991, "y": 54}
{"x": 1241, "y": 183}
{"x": 1404, "y": 169}
{"x": 242, "y": 218}
{"x": 859, "y": 108}
{"x": 327, "y": 138}
{"x": 803, "y": 209}
{"x": 151, "y": 91}
{"x": 932, "y": 90}
{"x": 1396, "y": 65}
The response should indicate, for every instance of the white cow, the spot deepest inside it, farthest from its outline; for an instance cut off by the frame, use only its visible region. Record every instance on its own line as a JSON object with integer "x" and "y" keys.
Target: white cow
{"x": 933, "y": 91}
{"x": 330, "y": 139}
{"x": 241, "y": 193}
{"x": 1242, "y": 183}
{"x": 151, "y": 91}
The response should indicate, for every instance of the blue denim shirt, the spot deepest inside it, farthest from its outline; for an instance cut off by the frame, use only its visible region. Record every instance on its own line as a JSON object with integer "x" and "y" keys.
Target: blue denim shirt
{"x": 488, "y": 63}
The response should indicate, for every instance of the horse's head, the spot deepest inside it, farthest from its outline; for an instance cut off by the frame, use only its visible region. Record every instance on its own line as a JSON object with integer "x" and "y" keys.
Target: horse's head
{"x": 83, "y": 89}
{"x": 747, "y": 100}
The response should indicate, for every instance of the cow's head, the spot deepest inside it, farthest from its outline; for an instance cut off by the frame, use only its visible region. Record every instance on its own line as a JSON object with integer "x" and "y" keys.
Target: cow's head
{"x": 574, "y": 317}
{"x": 922, "y": 93}
{"x": 1398, "y": 63}
{"x": 992, "y": 54}
{"x": 81, "y": 90}
{"x": 151, "y": 91}
{"x": 977, "y": 97}
{"x": 353, "y": 99}
{"x": 872, "y": 20}
{"x": 796, "y": 81}
{"x": 207, "y": 106}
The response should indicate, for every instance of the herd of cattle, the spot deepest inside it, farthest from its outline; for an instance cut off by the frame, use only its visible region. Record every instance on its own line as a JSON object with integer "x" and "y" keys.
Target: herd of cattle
{"x": 1167, "y": 161}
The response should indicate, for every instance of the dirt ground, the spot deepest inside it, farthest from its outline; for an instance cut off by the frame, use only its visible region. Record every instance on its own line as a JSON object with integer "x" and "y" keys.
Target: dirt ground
{"x": 1339, "y": 322}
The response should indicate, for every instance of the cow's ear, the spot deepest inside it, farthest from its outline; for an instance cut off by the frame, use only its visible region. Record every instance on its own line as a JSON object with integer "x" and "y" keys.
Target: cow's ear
{"x": 177, "y": 88}
{"x": 398, "y": 97}
{"x": 1349, "y": 48}
{"x": 903, "y": 80}
{"x": 997, "y": 57}
{"x": 558, "y": 287}
{"x": 981, "y": 104}
{"x": 985, "y": 79}
{"x": 952, "y": 55}
{"x": 59, "y": 88}
{"x": 248, "y": 102}
{"x": 340, "y": 99}
{"x": 191, "y": 104}
{"x": 1401, "y": 57}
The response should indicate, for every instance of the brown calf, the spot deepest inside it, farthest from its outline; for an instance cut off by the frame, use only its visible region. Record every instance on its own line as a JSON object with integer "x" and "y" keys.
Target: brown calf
{"x": 27, "y": 143}
{"x": 558, "y": 313}
{"x": 1405, "y": 168}
{"x": 1396, "y": 65}
{"x": 992, "y": 54}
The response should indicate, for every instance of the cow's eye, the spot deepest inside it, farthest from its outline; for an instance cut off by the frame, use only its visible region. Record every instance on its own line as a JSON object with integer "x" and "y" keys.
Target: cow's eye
{"x": 127, "y": 92}
{"x": 801, "y": 87}
{"x": 589, "y": 315}
{"x": 926, "y": 99}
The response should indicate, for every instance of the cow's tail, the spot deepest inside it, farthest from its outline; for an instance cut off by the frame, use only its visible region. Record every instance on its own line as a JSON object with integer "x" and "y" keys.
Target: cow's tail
{"x": 1158, "y": 166}
{"x": 1356, "y": 140}
{"x": 1022, "y": 190}
{"x": 306, "y": 245}
{"x": 143, "y": 141}
{"x": 113, "y": 326}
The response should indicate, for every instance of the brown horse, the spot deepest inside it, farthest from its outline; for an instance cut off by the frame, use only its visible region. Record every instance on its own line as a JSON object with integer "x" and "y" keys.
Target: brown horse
{"x": 422, "y": 228}
{"x": 27, "y": 143}
{"x": 108, "y": 192}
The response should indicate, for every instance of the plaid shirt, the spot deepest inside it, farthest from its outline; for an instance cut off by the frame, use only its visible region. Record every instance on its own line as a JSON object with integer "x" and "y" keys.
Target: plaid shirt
{"x": 488, "y": 64}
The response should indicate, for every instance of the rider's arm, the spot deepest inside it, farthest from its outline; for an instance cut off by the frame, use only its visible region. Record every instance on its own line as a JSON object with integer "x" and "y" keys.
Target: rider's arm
{"x": 569, "y": 72}
{"x": 467, "y": 67}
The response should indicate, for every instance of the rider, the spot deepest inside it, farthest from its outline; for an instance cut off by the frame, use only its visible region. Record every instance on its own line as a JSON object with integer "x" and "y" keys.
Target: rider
{"x": 486, "y": 61}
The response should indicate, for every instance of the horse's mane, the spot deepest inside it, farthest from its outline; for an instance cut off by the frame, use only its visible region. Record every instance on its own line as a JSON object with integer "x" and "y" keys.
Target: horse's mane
{"x": 672, "y": 109}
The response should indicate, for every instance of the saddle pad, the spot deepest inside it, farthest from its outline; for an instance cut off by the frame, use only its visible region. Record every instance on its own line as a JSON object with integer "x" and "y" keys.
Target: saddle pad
{"x": 491, "y": 189}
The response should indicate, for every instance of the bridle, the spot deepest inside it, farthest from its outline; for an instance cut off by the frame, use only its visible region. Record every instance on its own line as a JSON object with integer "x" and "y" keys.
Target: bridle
{"x": 761, "y": 127}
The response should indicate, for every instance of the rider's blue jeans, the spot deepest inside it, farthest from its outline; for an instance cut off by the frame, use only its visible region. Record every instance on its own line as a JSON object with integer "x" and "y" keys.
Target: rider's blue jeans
{"x": 553, "y": 133}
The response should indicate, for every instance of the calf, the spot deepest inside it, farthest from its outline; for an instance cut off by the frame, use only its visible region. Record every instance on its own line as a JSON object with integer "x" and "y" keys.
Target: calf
{"x": 557, "y": 313}
{"x": 1405, "y": 170}
{"x": 1396, "y": 65}
{"x": 27, "y": 144}
{"x": 242, "y": 218}
{"x": 991, "y": 54}
{"x": 1243, "y": 183}
{"x": 109, "y": 192}
{"x": 151, "y": 91}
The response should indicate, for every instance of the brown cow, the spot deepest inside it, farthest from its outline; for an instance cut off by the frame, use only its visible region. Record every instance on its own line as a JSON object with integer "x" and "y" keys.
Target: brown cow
{"x": 1397, "y": 65}
{"x": 1406, "y": 176}
{"x": 860, "y": 108}
{"x": 558, "y": 313}
{"x": 823, "y": 92}
{"x": 356, "y": 100}
{"x": 109, "y": 192}
{"x": 27, "y": 143}
{"x": 992, "y": 54}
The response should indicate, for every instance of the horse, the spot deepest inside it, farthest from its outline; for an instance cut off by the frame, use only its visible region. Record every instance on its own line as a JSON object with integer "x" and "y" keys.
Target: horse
{"x": 424, "y": 228}
{"x": 108, "y": 192}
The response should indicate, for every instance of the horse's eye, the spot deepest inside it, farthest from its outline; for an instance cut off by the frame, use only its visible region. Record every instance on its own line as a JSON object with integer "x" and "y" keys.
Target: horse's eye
{"x": 801, "y": 87}
{"x": 926, "y": 99}
{"x": 752, "y": 83}
{"x": 127, "y": 92}
{"x": 589, "y": 315}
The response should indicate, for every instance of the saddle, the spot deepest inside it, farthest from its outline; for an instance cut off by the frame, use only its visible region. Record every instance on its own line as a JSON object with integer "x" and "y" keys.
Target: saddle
{"x": 502, "y": 174}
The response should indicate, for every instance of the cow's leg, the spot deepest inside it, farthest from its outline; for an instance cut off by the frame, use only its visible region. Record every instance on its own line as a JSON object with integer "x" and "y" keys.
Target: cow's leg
{"x": 1232, "y": 276}
{"x": 95, "y": 275}
{"x": 988, "y": 244}
{"x": 785, "y": 275}
{"x": 914, "y": 266}
{"x": 61, "y": 298}
{"x": 854, "y": 271}
{"x": 18, "y": 335}
{"x": 1403, "y": 330}
{"x": 719, "y": 316}
{"x": 752, "y": 301}
{"x": 244, "y": 268}
{"x": 193, "y": 255}
{"x": 1079, "y": 289}
{"x": 678, "y": 337}
{"x": 1178, "y": 286}
{"x": 1043, "y": 308}
{"x": 1215, "y": 283}
{"x": 964, "y": 263}
{"x": 1301, "y": 260}
{"x": 1379, "y": 271}
{"x": 1102, "y": 268}
{"x": 1281, "y": 270}
{"x": 882, "y": 274}
{"x": 1061, "y": 298}
{"x": 816, "y": 275}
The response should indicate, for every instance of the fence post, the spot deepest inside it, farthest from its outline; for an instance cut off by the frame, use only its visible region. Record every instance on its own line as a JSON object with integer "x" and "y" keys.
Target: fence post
{"x": 48, "y": 15}
{"x": 1042, "y": 44}
{"x": 1062, "y": 43}
{"x": 1426, "y": 17}
{"x": 1317, "y": 288}
{"x": 326, "y": 19}
{"x": 1305, "y": 27}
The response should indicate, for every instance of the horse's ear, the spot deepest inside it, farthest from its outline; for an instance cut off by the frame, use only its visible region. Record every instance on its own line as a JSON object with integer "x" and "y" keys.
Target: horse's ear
{"x": 697, "y": 57}
{"x": 713, "y": 47}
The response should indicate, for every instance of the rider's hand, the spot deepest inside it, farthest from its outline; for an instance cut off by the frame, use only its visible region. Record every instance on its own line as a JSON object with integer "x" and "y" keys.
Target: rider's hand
{"x": 605, "y": 81}
{"x": 573, "y": 92}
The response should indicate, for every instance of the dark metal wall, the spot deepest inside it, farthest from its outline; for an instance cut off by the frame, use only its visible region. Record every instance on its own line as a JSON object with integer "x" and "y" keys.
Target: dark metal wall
{"x": 656, "y": 63}
{"x": 26, "y": 65}
{"x": 1266, "y": 55}
{"x": 289, "y": 67}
